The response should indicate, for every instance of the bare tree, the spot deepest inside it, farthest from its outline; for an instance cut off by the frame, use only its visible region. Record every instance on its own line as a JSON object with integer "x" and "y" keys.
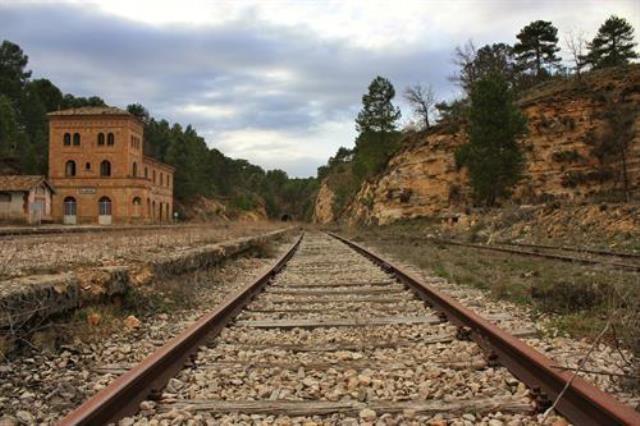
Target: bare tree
{"x": 422, "y": 99}
{"x": 464, "y": 57}
{"x": 575, "y": 42}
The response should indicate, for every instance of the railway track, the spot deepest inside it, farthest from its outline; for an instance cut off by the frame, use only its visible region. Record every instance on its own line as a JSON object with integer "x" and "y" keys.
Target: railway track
{"x": 607, "y": 259}
{"x": 8, "y": 233}
{"x": 335, "y": 334}
{"x": 603, "y": 253}
{"x": 616, "y": 260}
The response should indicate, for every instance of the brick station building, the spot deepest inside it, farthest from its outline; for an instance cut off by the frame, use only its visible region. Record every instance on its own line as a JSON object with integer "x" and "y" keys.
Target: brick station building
{"x": 97, "y": 165}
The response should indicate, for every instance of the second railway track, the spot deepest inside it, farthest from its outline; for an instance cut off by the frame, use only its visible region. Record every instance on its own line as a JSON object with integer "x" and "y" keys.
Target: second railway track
{"x": 331, "y": 337}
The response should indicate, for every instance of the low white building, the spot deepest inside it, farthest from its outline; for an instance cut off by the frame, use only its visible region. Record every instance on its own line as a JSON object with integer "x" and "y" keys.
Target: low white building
{"x": 25, "y": 199}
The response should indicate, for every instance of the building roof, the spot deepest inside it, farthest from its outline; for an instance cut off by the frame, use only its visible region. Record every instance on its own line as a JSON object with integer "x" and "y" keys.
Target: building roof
{"x": 106, "y": 110}
{"x": 22, "y": 183}
{"x": 153, "y": 161}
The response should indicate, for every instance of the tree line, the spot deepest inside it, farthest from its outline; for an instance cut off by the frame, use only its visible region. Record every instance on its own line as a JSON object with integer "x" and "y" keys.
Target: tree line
{"x": 200, "y": 170}
{"x": 491, "y": 77}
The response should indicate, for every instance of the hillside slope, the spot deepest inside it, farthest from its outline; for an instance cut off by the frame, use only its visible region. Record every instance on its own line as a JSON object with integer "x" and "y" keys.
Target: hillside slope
{"x": 565, "y": 118}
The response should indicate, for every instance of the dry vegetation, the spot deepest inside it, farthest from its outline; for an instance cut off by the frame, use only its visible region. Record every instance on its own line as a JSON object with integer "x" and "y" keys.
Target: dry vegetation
{"x": 608, "y": 226}
{"x": 61, "y": 252}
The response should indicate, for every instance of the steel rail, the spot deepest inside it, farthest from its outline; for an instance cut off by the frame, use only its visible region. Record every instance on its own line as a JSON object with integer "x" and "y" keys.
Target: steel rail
{"x": 562, "y": 258}
{"x": 582, "y": 403}
{"x": 573, "y": 249}
{"x": 122, "y": 397}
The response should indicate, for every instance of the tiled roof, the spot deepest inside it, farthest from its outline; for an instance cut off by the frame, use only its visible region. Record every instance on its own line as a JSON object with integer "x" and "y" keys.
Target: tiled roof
{"x": 91, "y": 111}
{"x": 152, "y": 160}
{"x": 21, "y": 182}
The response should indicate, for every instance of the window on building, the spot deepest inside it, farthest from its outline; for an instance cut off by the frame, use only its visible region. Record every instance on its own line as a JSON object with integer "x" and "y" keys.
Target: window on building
{"x": 105, "y": 168}
{"x": 136, "y": 206}
{"x": 134, "y": 169}
{"x": 5, "y": 197}
{"x": 146, "y": 173}
{"x": 76, "y": 139}
{"x": 67, "y": 139}
{"x": 100, "y": 138}
{"x": 161, "y": 179}
{"x": 104, "y": 206}
{"x": 154, "y": 176}
{"x": 111, "y": 139}
{"x": 87, "y": 166}
{"x": 69, "y": 206}
{"x": 70, "y": 168}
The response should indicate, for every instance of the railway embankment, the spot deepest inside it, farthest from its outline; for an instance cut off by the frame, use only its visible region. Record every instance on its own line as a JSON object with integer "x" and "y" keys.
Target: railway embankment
{"x": 28, "y": 301}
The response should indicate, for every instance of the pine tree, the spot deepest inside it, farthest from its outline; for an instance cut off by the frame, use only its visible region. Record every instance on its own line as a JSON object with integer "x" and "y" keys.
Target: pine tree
{"x": 9, "y": 130}
{"x": 13, "y": 75}
{"x": 377, "y": 126}
{"x": 537, "y": 47}
{"x": 492, "y": 155}
{"x": 613, "y": 45}
{"x": 378, "y": 113}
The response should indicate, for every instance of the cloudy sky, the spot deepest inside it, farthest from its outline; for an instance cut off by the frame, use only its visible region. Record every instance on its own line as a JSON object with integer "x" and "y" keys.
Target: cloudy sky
{"x": 278, "y": 83}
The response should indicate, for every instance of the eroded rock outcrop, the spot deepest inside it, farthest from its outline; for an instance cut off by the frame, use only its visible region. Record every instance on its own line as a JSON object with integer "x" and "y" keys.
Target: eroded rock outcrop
{"x": 323, "y": 209}
{"x": 564, "y": 120}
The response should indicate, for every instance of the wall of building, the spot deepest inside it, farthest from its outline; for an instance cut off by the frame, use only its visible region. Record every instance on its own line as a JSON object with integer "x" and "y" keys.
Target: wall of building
{"x": 127, "y": 183}
{"x": 88, "y": 192}
{"x": 14, "y": 209}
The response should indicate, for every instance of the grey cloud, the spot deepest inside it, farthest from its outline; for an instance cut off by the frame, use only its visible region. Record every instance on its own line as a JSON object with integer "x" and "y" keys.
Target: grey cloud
{"x": 234, "y": 65}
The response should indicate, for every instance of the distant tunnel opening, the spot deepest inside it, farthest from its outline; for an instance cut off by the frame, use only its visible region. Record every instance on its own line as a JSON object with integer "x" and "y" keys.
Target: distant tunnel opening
{"x": 286, "y": 217}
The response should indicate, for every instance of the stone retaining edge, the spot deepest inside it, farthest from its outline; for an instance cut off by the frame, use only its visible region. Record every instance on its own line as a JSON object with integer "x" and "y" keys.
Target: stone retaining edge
{"x": 33, "y": 298}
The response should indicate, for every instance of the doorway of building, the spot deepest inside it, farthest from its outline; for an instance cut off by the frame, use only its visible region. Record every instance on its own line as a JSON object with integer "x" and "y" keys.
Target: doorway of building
{"x": 104, "y": 211}
{"x": 37, "y": 211}
{"x": 69, "y": 211}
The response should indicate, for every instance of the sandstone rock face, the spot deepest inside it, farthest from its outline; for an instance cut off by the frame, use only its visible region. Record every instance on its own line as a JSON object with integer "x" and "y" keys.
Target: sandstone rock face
{"x": 323, "y": 210}
{"x": 563, "y": 121}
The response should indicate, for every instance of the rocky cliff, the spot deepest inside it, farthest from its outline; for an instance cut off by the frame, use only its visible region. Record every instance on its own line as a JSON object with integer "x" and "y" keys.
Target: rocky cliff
{"x": 565, "y": 119}
{"x": 323, "y": 209}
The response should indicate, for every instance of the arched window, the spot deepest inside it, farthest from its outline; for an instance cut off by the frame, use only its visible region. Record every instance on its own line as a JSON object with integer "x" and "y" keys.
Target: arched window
{"x": 161, "y": 179}
{"x": 70, "y": 168}
{"x": 104, "y": 206}
{"x": 136, "y": 206}
{"x": 160, "y": 215}
{"x": 105, "y": 168}
{"x": 134, "y": 169}
{"x": 146, "y": 173}
{"x": 100, "y": 138}
{"x": 87, "y": 166}
{"x": 69, "y": 206}
{"x": 111, "y": 140}
{"x": 67, "y": 139}
{"x": 76, "y": 139}
{"x": 153, "y": 210}
{"x": 148, "y": 207}
{"x": 154, "y": 176}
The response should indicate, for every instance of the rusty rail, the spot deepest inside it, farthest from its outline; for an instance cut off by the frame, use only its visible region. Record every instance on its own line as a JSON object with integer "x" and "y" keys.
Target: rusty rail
{"x": 582, "y": 403}
{"x": 562, "y": 258}
{"x": 122, "y": 397}
{"x": 604, "y": 253}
